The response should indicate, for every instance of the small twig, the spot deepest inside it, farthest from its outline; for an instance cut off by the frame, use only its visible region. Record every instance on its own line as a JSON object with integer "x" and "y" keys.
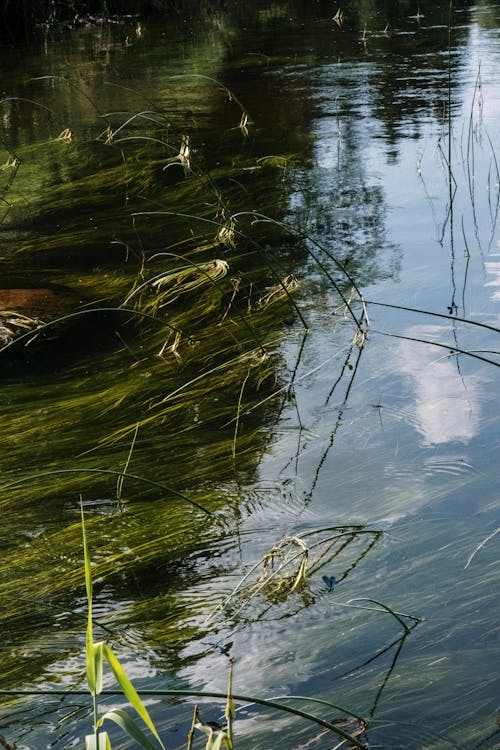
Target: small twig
{"x": 191, "y": 731}
{"x": 479, "y": 546}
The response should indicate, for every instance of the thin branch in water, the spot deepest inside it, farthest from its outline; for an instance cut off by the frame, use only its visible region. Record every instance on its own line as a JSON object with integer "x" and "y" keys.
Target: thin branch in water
{"x": 432, "y": 314}
{"x": 207, "y": 694}
{"x": 55, "y": 472}
{"x": 480, "y": 546}
{"x": 72, "y": 85}
{"x": 287, "y": 385}
{"x": 452, "y": 350}
{"x": 384, "y": 607}
{"x": 29, "y": 336}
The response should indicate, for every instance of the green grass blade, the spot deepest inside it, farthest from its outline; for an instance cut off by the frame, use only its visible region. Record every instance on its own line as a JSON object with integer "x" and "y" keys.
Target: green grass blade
{"x": 56, "y": 322}
{"x": 94, "y": 662}
{"x": 90, "y": 663}
{"x": 125, "y": 722}
{"x": 98, "y": 661}
{"x": 90, "y": 651}
{"x": 86, "y": 559}
{"x": 93, "y": 651}
{"x": 192, "y": 728}
{"x": 129, "y": 691}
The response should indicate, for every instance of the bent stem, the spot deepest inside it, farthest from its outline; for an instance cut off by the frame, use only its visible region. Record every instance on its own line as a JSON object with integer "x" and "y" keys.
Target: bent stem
{"x": 123, "y": 474}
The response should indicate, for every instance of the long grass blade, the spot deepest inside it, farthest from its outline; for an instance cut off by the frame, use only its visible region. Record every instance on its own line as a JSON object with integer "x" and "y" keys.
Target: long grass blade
{"x": 34, "y": 332}
{"x": 212, "y": 694}
{"x": 321, "y": 266}
{"x": 384, "y": 607}
{"x": 111, "y": 472}
{"x": 125, "y": 722}
{"x": 93, "y": 652}
{"x": 238, "y": 412}
{"x": 250, "y": 240}
{"x": 130, "y": 692}
{"x": 121, "y": 479}
{"x": 452, "y": 350}
{"x": 479, "y": 546}
{"x": 432, "y": 314}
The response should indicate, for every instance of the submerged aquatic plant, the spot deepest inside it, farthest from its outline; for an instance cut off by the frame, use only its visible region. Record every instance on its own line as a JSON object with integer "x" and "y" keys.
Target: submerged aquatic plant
{"x": 225, "y": 323}
{"x": 279, "y": 291}
{"x": 189, "y": 279}
{"x": 288, "y": 568}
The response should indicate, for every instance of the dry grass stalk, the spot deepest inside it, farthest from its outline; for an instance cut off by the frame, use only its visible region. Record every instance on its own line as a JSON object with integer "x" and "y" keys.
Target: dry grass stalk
{"x": 279, "y": 291}
{"x": 65, "y": 135}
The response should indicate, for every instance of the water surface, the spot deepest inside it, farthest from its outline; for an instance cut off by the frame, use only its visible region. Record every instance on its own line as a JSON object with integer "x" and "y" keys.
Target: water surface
{"x": 372, "y": 140}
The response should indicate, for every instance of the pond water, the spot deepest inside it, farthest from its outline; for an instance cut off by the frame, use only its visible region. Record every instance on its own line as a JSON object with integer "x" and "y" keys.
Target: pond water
{"x": 271, "y": 238}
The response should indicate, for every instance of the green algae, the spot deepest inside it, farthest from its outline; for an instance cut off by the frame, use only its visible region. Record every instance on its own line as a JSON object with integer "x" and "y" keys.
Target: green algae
{"x": 166, "y": 368}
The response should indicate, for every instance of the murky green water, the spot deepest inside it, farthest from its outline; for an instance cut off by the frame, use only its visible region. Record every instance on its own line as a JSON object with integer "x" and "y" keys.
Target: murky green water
{"x": 136, "y": 155}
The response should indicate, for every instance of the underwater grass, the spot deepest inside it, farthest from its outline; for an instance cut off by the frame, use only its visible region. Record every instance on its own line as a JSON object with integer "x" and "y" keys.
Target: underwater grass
{"x": 188, "y": 390}
{"x": 96, "y": 406}
{"x": 87, "y": 408}
{"x": 181, "y": 338}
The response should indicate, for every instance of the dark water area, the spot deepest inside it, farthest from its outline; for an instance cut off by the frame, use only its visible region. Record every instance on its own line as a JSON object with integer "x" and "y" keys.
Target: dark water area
{"x": 249, "y": 263}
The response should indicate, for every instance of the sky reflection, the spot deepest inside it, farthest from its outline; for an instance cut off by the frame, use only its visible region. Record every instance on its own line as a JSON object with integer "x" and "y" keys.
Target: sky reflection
{"x": 446, "y": 400}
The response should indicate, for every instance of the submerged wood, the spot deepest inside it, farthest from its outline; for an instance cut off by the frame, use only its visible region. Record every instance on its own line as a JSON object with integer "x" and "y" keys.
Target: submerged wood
{"x": 37, "y": 302}
{"x": 25, "y": 308}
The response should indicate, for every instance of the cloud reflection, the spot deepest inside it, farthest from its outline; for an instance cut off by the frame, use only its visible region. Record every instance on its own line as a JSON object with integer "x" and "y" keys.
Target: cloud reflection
{"x": 492, "y": 269}
{"x": 446, "y": 401}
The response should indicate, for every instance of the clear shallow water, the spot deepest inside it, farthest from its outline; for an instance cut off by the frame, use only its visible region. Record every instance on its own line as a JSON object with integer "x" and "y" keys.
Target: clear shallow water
{"x": 406, "y": 443}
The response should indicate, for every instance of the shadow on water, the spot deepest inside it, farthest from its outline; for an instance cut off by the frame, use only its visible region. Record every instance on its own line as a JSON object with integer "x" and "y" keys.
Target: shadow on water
{"x": 190, "y": 216}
